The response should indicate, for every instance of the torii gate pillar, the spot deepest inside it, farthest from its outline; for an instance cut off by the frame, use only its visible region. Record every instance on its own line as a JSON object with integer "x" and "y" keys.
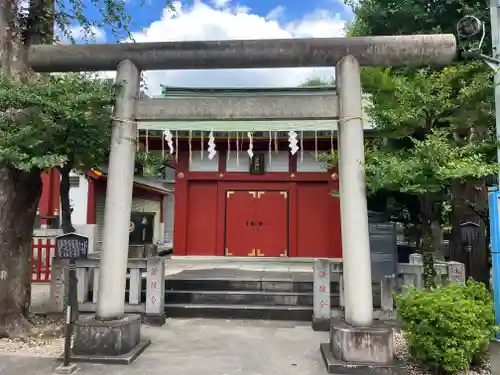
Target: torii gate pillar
{"x": 356, "y": 261}
{"x": 355, "y": 340}
{"x": 114, "y": 255}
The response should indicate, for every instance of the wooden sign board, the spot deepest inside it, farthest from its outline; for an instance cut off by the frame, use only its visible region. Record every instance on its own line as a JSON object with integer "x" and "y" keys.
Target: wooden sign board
{"x": 383, "y": 248}
{"x": 72, "y": 246}
{"x": 257, "y": 163}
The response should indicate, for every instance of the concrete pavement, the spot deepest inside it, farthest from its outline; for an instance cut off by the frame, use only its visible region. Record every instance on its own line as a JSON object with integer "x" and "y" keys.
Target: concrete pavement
{"x": 208, "y": 347}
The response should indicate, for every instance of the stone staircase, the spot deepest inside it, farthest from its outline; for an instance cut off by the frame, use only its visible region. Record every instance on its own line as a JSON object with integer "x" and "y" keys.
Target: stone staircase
{"x": 244, "y": 295}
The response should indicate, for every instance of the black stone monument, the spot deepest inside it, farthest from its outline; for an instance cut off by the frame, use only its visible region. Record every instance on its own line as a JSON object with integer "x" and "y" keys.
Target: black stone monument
{"x": 116, "y": 341}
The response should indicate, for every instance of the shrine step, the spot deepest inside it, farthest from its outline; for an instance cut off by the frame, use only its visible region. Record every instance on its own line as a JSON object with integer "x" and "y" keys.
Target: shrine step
{"x": 257, "y": 285}
{"x": 238, "y": 311}
{"x": 238, "y": 297}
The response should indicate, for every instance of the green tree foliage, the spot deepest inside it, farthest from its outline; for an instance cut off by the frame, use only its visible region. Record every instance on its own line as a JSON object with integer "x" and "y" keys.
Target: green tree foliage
{"x": 424, "y": 121}
{"x": 33, "y": 135}
{"x": 152, "y": 162}
{"x": 318, "y": 82}
{"x": 409, "y": 17}
{"x": 448, "y": 329}
{"x": 70, "y": 127}
{"x": 424, "y": 171}
{"x": 410, "y": 105}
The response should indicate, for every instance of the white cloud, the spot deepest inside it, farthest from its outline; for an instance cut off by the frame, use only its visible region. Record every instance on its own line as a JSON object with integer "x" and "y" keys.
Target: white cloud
{"x": 223, "y": 22}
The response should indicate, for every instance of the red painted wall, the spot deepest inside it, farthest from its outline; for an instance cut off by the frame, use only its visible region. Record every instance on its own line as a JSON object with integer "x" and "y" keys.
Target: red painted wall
{"x": 200, "y": 206}
{"x": 313, "y": 225}
{"x": 50, "y": 199}
{"x": 318, "y": 228}
{"x": 202, "y": 213}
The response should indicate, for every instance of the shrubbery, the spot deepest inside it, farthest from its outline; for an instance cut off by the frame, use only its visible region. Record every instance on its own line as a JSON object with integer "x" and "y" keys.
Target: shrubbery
{"x": 447, "y": 328}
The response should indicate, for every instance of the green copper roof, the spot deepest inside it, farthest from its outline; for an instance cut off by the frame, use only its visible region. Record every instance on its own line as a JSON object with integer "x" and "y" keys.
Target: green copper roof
{"x": 169, "y": 91}
{"x": 275, "y": 125}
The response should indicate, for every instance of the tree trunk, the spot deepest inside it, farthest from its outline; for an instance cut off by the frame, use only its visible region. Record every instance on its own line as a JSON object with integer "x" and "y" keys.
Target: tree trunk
{"x": 19, "y": 196}
{"x": 470, "y": 203}
{"x": 19, "y": 190}
{"x": 429, "y": 220}
{"x": 66, "y": 209}
{"x": 67, "y": 227}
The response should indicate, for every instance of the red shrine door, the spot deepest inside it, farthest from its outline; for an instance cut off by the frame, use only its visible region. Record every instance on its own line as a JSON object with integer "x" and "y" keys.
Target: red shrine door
{"x": 256, "y": 223}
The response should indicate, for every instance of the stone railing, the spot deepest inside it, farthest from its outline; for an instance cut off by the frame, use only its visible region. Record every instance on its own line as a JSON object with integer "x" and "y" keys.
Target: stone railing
{"x": 328, "y": 272}
{"x": 150, "y": 304}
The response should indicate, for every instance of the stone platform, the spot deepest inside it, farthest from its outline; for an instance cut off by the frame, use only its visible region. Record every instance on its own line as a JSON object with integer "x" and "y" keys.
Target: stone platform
{"x": 361, "y": 350}
{"x": 116, "y": 341}
{"x": 248, "y": 288}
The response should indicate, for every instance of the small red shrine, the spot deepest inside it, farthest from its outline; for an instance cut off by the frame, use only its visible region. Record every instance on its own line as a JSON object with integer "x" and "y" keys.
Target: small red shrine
{"x": 258, "y": 193}
{"x": 253, "y": 209}
{"x": 241, "y": 193}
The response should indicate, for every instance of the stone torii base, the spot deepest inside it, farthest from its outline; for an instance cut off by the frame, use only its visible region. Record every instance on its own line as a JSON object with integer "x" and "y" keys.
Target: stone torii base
{"x": 361, "y": 350}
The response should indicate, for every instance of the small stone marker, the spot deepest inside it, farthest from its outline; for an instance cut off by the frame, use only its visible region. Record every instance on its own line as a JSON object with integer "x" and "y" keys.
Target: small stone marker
{"x": 66, "y": 370}
{"x": 155, "y": 286}
{"x": 321, "y": 295}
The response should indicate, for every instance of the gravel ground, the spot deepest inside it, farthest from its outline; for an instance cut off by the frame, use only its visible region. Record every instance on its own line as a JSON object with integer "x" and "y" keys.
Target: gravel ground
{"x": 50, "y": 342}
{"x": 402, "y": 353}
{"x": 47, "y": 340}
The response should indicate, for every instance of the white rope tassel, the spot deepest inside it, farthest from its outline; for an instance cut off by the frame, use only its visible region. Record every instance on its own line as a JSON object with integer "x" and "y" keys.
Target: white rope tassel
{"x": 163, "y": 148}
{"x": 237, "y": 149}
{"x": 176, "y": 147}
{"x": 228, "y": 145}
{"x": 190, "y": 147}
{"x": 147, "y": 144}
{"x": 331, "y": 141}
{"x": 170, "y": 144}
{"x": 250, "y": 145}
{"x": 301, "y": 146}
{"x": 202, "y": 145}
{"x": 211, "y": 145}
{"x": 137, "y": 140}
{"x": 292, "y": 142}
{"x": 270, "y": 147}
{"x": 316, "y": 145}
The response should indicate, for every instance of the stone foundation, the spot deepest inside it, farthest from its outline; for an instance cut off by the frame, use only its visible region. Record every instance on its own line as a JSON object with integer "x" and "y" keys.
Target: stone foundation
{"x": 156, "y": 320}
{"x": 360, "y": 350}
{"x": 114, "y": 341}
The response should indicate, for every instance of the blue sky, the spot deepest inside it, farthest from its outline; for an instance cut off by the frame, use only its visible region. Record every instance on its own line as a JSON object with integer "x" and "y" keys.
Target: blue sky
{"x": 292, "y": 9}
{"x": 233, "y": 19}
{"x": 286, "y": 10}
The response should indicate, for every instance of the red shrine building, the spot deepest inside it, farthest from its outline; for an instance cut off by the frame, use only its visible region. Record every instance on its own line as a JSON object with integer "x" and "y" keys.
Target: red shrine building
{"x": 273, "y": 205}
{"x": 276, "y": 203}
{"x": 87, "y": 199}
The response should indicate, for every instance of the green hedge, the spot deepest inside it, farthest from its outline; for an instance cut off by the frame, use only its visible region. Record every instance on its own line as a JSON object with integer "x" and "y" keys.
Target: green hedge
{"x": 447, "y": 328}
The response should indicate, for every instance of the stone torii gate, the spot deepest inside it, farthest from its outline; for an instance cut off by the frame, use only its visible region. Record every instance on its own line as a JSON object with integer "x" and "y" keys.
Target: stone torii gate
{"x": 347, "y": 54}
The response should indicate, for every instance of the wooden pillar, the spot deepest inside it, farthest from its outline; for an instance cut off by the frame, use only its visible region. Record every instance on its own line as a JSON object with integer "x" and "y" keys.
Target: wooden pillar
{"x": 91, "y": 202}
